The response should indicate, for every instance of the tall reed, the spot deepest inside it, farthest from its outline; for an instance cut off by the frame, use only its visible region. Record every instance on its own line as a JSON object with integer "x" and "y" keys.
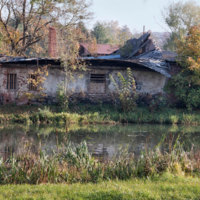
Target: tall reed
{"x": 72, "y": 163}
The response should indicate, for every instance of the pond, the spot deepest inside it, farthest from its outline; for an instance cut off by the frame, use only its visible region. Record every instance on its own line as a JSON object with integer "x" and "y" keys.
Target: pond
{"x": 103, "y": 141}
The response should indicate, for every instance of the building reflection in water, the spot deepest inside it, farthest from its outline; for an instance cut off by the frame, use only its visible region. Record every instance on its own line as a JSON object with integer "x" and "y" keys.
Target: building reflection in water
{"x": 102, "y": 145}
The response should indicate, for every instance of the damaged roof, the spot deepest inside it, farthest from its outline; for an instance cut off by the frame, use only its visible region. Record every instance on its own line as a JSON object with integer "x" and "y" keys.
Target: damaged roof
{"x": 169, "y": 56}
{"x": 20, "y": 60}
{"x": 142, "y": 51}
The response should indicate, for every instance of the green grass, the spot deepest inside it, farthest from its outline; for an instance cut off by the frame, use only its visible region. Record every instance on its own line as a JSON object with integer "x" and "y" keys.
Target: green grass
{"x": 96, "y": 114}
{"x": 166, "y": 186}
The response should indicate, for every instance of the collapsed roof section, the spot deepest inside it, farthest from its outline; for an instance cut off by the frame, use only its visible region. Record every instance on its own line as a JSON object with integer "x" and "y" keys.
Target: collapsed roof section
{"x": 142, "y": 51}
{"x": 169, "y": 56}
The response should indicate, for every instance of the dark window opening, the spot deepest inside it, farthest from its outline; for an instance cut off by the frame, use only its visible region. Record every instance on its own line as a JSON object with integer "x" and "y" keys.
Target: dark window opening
{"x": 11, "y": 81}
{"x": 98, "y": 78}
{"x": 32, "y": 86}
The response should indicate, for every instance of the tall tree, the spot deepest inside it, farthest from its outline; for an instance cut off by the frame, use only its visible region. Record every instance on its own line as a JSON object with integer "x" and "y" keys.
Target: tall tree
{"x": 101, "y": 32}
{"x": 83, "y": 32}
{"x": 124, "y": 34}
{"x": 186, "y": 84}
{"x": 30, "y": 19}
{"x": 179, "y": 17}
{"x": 111, "y": 33}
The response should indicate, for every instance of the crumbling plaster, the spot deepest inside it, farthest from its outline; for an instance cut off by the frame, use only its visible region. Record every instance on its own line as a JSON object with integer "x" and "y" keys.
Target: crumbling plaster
{"x": 147, "y": 81}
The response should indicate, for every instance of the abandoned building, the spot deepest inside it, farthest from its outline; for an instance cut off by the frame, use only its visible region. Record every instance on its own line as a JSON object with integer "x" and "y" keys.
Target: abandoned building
{"x": 150, "y": 66}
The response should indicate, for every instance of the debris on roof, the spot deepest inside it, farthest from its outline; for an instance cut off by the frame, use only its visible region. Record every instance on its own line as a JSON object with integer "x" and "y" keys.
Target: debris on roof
{"x": 154, "y": 60}
{"x": 143, "y": 51}
{"x": 169, "y": 56}
{"x": 133, "y": 46}
{"x": 104, "y": 57}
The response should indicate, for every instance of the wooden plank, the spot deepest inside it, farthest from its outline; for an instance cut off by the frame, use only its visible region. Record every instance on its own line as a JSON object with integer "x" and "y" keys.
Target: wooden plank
{"x": 134, "y": 52}
{"x": 8, "y": 81}
{"x": 13, "y": 81}
{"x": 97, "y": 88}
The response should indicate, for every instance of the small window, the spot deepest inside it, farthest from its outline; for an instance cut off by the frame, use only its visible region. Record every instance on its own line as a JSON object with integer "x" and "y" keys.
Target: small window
{"x": 98, "y": 78}
{"x": 32, "y": 86}
{"x": 11, "y": 81}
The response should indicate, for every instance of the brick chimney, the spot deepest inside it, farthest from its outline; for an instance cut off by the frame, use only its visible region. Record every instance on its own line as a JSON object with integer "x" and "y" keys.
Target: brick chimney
{"x": 52, "y": 42}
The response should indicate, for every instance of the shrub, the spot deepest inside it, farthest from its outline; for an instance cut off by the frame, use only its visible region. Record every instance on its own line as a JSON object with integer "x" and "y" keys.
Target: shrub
{"x": 62, "y": 97}
{"x": 157, "y": 103}
{"x": 174, "y": 119}
{"x": 186, "y": 85}
{"x": 45, "y": 115}
{"x": 126, "y": 90}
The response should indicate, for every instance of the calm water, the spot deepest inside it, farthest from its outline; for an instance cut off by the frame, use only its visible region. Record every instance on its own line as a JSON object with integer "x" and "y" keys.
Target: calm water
{"x": 103, "y": 140}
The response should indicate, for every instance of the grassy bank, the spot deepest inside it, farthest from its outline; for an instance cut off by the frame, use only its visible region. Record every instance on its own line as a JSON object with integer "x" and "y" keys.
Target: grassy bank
{"x": 71, "y": 163}
{"x": 96, "y": 114}
{"x": 167, "y": 186}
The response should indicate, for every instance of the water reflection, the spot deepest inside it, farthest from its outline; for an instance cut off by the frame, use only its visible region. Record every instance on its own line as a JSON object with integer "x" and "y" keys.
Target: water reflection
{"x": 104, "y": 141}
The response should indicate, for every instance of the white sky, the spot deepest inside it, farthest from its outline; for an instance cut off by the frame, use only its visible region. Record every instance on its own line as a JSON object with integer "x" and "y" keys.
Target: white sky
{"x": 133, "y": 13}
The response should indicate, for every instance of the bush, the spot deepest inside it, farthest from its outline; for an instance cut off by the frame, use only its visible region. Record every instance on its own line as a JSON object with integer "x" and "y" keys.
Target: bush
{"x": 126, "y": 90}
{"x": 62, "y": 97}
{"x": 186, "y": 84}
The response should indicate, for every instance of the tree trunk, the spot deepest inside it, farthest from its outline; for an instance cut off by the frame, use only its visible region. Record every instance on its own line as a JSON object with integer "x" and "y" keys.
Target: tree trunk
{"x": 24, "y": 25}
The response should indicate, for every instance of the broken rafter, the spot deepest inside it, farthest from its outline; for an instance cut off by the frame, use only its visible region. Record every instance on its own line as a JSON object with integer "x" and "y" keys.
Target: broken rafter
{"x": 138, "y": 49}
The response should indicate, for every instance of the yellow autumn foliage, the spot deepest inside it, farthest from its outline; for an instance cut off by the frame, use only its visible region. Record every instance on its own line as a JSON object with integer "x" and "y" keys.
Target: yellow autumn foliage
{"x": 189, "y": 50}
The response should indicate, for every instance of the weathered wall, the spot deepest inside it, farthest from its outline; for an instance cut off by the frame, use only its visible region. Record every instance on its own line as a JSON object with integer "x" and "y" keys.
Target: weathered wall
{"x": 146, "y": 82}
{"x": 10, "y": 95}
{"x": 56, "y": 77}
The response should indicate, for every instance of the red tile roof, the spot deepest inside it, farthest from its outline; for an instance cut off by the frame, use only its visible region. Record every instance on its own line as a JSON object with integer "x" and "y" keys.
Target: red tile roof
{"x": 104, "y": 49}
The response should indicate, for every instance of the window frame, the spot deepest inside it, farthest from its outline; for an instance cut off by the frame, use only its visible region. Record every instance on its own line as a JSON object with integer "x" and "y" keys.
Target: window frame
{"x": 97, "y": 78}
{"x": 32, "y": 88}
{"x": 12, "y": 82}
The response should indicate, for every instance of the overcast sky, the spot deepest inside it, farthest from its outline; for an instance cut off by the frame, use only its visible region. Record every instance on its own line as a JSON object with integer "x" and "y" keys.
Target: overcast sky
{"x": 133, "y": 13}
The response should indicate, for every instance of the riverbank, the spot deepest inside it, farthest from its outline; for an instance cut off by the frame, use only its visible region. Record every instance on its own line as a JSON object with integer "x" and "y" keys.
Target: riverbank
{"x": 71, "y": 172}
{"x": 72, "y": 163}
{"x": 95, "y": 114}
{"x": 166, "y": 186}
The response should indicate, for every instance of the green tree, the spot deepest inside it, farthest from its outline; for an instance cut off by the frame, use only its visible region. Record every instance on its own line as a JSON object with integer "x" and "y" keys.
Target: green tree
{"x": 170, "y": 44}
{"x": 126, "y": 90}
{"x": 102, "y": 33}
{"x": 186, "y": 84}
{"x": 123, "y": 35}
{"x": 179, "y": 17}
{"x": 26, "y": 22}
{"x": 111, "y": 33}
{"x": 83, "y": 32}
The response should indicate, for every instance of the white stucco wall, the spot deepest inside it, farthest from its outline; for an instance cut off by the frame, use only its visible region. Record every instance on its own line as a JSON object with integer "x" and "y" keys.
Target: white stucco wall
{"x": 147, "y": 81}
